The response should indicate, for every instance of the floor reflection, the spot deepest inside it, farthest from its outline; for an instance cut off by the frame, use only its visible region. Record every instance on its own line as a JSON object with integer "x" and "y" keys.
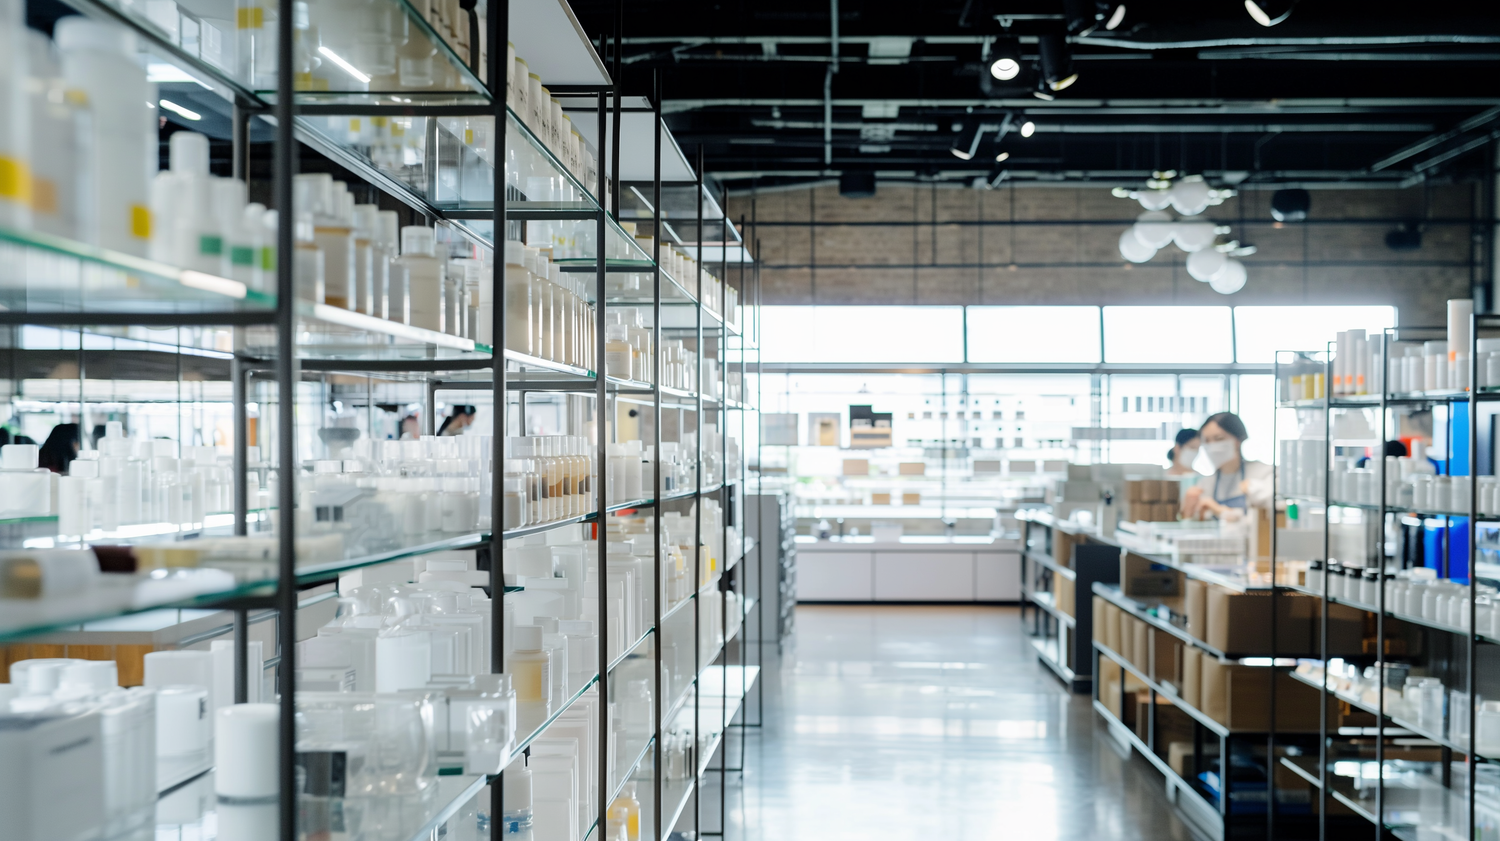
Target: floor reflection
{"x": 931, "y": 722}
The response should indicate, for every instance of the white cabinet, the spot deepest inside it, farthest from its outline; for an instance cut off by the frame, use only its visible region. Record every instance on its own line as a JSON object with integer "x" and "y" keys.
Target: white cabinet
{"x": 924, "y": 576}
{"x": 835, "y": 577}
{"x": 997, "y": 577}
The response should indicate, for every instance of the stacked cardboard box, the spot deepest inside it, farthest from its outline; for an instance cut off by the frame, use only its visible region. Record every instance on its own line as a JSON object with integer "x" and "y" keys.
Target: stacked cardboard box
{"x": 1152, "y": 500}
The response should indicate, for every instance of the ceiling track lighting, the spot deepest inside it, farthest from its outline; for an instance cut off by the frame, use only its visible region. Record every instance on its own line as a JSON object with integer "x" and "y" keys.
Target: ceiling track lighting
{"x": 1056, "y": 62}
{"x": 1084, "y": 17}
{"x": 966, "y": 144}
{"x": 1028, "y": 128}
{"x": 1269, "y": 12}
{"x": 1005, "y": 59}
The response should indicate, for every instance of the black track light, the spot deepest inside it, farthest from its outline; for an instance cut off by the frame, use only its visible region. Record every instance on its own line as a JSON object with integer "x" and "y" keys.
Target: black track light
{"x": 1085, "y": 16}
{"x": 1269, "y": 12}
{"x": 966, "y": 143}
{"x": 1057, "y": 62}
{"x": 1005, "y": 59}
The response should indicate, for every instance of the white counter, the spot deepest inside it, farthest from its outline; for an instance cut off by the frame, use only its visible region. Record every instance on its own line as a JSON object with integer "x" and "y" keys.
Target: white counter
{"x": 915, "y": 568}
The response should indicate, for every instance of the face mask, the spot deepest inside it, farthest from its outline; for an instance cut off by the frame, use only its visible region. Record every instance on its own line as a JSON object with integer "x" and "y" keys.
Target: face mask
{"x": 1220, "y": 452}
{"x": 1187, "y": 456}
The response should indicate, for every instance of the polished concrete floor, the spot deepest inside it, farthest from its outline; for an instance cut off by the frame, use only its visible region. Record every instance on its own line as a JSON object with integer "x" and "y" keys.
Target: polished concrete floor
{"x": 931, "y": 722}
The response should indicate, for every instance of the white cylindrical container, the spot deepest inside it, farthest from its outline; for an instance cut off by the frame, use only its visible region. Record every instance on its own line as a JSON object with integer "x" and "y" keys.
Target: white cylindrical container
{"x": 1459, "y": 336}
{"x": 246, "y": 756}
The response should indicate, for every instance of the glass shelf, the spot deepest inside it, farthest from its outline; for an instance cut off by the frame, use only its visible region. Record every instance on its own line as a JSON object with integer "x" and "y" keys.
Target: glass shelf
{"x": 42, "y": 273}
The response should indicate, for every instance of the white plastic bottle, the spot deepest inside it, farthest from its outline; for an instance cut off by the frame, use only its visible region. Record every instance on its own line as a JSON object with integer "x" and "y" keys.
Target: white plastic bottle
{"x": 188, "y": 219}
{"x": 424, "y": 273}
{"x": 15, "y": 118}
{"x": 25, "y": 489}
{"x": 99, "y": 59}
{"x": 394, "y": 300}
{"x": 366, "y": 227}
{"x": 319, "y": 196}
{"x": 309, "y": 266}
{"x": 251, "y": 260}
{"x": 54, "y": 165}
{"x": 518, "y": 306}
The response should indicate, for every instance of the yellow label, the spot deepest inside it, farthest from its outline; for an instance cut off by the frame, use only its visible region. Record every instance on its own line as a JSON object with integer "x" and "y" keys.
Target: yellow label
{"x": 251, "y": 17}
{"x": 15, "y": 180}
{"x": 302, "y": 81}
{"x": 140, "y": 222}
{"x": 354, "y": 125}
{"x": 378, "y": 122}
{"x": 468, "y": 137}
{"x": 44, "y": 195}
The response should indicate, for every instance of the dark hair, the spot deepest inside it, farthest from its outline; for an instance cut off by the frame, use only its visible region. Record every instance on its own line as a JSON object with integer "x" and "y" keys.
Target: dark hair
{"x": 1183, "y": 436}
{"x": 459, "y": 410}
{"x": 60, "y": 448}
{"x": 1230, "y": 423}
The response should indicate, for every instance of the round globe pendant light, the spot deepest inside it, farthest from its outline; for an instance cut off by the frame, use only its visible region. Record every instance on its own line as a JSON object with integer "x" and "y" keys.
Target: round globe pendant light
{"x": 1203, "y": 265}
{"x": 1133, "y": 249}
{"x": 1154, "y": 228}
{"x": 1229, "y": 279}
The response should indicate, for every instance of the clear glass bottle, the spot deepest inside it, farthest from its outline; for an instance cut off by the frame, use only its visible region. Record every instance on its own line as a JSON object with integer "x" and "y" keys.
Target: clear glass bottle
{"x": 518, "y": 304}
{"x": 424, "y": 277}
{"x": 366, "y": 227}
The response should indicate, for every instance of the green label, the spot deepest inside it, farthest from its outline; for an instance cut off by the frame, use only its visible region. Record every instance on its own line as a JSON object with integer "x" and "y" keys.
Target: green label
{"x": 268, "y": 259}
{"x": 208, "y": 244}
{"x": 242, "y": 255}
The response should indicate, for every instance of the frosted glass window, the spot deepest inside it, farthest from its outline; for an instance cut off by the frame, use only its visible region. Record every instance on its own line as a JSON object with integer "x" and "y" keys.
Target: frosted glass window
{"x": 1175, "y": 335}
{"x": 1261, "y": 331}
{"x": 1033, "y": 334}
{"x": 862, "y": 334}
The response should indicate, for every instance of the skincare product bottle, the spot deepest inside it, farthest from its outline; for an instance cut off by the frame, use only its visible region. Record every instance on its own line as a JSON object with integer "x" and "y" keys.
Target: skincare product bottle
{"x": 424, "y": 277}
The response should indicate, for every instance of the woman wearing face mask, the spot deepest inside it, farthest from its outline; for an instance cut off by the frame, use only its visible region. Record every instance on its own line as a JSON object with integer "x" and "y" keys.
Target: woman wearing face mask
{"x": 1183, "y": 453}
{"x": 1236, "y": 484}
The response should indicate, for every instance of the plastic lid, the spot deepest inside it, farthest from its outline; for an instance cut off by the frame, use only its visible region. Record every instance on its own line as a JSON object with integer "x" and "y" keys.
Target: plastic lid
{"x": 388, "y": 229}
{"x": 89, "y": 677}
{"x": 367, "y": 221}
{"x": 188, "y": 153}
{"x": 84, "y": 35}
{"x": 528, "y": 637}
{"x": 548, "y": 624}
{"x": 84, "y": 468}
{"x": 18, "y": 457}
{"x": 417, "y": 239}
{"x": 515, "y": 253}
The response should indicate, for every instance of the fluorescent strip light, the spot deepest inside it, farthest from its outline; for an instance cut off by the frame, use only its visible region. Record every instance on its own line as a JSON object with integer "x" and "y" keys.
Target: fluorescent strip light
{"x": 180, "y": 111}
{"x": 348, "y": 68}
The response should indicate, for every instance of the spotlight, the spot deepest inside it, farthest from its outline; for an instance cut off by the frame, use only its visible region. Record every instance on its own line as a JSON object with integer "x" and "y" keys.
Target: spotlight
{"x": 1002, "y": 157}
{"x": 1116, "y": 17}
{"x": 966, "y": 144}
{"x": 1057, "y": 63}
{"x": 1085, "y": 16}
{"x": 1290, "y": 205}
{"x": 1269, "y": 12}
{"x": 1005, "y": 61}
{"x": 1028, "y": 128}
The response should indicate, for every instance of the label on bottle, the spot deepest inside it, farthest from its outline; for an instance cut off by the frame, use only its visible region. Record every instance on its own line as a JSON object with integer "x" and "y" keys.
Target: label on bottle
{"x": 210, "y": 245}
{"x": 44, "y": 195}
{"x": 250, "y": 17}
{"x": 140, "y": 221}
{"x": 15, "y": 180}
{"x": 242, "y": 255}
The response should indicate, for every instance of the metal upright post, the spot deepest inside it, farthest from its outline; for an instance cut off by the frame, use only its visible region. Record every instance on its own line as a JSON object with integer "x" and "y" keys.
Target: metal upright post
{"x": 286, "y": 437}
{"x": 498, "y": 23}
{"x": 601, "y": 458}
{"x": 698, "y": 504}
{"x": 1323, "y": 611}
{"x": 614, "y": 137}
{"x": 656, "y": 488}
{"x": 238, "y": 374}
{"x": 1472, "y": 636}
{"x": 241, "y": 655}
{"x": 1379, "y": 599}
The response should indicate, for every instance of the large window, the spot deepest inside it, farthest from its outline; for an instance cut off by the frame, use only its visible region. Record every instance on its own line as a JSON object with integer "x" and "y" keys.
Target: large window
{"x": 1033, "y": 334}
{"x": 1028, "y": 335}
{"x": 1261, "y": 331}
{"x": 863, "y": 334}
{"x": 1167, "y": 335}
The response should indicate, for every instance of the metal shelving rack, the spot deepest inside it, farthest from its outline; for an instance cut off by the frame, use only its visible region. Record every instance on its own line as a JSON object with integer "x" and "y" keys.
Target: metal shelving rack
{"x": 1395, "y": 798}
{"x": 266, "y": 328}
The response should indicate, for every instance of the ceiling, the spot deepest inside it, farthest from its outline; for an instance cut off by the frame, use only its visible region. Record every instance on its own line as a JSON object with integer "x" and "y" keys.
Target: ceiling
{"x": 1341, "y": 93}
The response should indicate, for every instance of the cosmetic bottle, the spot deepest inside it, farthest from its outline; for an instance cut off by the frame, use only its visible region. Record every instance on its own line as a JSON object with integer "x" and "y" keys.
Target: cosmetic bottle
{"x": 100, "y": 59}
{"x": 252, "y": 259}
{"x": 25, "y": 489}
{"x": 308, "y": 268}
{"x": 369, "y": 275}
{"x": 530, "y": 667}
{"x": 424, "y": 277}
{"x": 391, "y": 300}
{"x": 516, "y": 822}
{"x": 52, "y": 142}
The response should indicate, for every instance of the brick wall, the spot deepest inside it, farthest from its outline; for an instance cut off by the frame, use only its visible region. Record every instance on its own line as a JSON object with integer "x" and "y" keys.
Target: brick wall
{"x": 959, "y": 246}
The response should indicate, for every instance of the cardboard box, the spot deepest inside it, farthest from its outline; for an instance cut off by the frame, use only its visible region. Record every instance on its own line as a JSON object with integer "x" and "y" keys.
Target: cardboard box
{"x": 913, "y": 468}
{"x": 1098, "y": 606}
{"x": 1062, "y": 547}
{"x": 1239, "y": 697}
{"x": 1240, "y": 623}
{"x": 1140, "y": 651}
{"x": 1166, "y": 652}
{"x": 856, "y": 467}
{"x": 1064, "y": 591}
{"x": 1192, "y": 677}
{"x": 1109, "y": 691}
{"x": 880, "y": 499}
{"x": 1109, "y": 632}
{"x": 1180, "y": 759}
{"x": 911, "y": 499}
{"x": 1196, "y": 608}
{"x": 1142, "y": 723}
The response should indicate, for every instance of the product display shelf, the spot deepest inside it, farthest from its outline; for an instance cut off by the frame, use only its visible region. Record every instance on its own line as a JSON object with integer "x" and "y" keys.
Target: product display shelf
{"x": 1045, "y": 601}
{"x": 532, "y": 725}
{"x": 1048, "y": 653}
{"x": 1111, "y": 593}
{"x": 1196, "y": 714}
{"x": 46, "y": 275}
{"x": 1339, "y": 788}
{"x": 1416, "y": 805}
{"x": 1401, "y": 724}
{"x": 1393, "y": 614}
{"x": 632, "y": 649}
{"x": 1204, "y": 814}
{"x": 1047, "y": 562}
{"x": 676, "y": 608}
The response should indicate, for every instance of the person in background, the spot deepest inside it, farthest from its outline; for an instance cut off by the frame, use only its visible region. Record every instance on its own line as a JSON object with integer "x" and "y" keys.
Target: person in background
{"x": 458, "y": 420}
{"x": 1392, "y": 448}
{"x": 1183, "y": 453}
{"x": 99, "y": 431}
{"x": 411, "y": 427}
{"x": 60, "y": 448}
{"x": 1236, "y": 484}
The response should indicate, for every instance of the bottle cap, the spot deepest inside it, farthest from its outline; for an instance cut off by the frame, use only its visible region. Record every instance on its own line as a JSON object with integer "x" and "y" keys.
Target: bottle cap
{"x": 84, "y": 35}
{"x": 367, "y": 221}
{"x": 18, "y": 457}
{"x": 416, "y": 239}
{"x": 84, "y": 468}
{"x": 188, "y": 153}
{"x": 528, "y": 637}
{"x": 388, "y": 231}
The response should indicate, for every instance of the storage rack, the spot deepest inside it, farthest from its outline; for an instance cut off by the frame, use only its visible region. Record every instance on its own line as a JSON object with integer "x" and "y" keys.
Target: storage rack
{"x": 266, "y": 327}
{"x": 1418, "y": 780}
